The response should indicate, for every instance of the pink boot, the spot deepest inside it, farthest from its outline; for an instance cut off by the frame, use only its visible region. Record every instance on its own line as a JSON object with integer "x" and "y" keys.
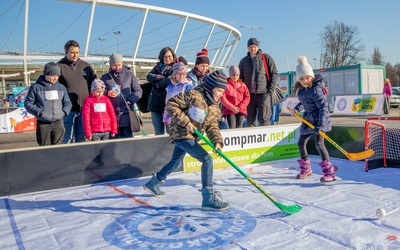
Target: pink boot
{"x": 305, "y": 169}
{"x": 329, "y": 171}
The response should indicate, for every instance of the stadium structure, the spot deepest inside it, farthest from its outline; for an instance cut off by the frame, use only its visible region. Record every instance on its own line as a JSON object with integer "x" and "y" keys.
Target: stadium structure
{"x": 102, "y": 27}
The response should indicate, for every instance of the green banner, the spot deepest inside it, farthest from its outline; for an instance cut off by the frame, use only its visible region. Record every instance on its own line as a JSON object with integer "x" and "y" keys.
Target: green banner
{"x": 246, "y": 156}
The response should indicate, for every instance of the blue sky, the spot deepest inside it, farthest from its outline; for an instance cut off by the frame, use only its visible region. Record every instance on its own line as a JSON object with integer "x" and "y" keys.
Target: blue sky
{"x": 291, "y": 28}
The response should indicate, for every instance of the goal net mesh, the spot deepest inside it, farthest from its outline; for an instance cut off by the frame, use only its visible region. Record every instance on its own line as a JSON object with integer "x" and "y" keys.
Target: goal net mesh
{"x": 383, "y": 136}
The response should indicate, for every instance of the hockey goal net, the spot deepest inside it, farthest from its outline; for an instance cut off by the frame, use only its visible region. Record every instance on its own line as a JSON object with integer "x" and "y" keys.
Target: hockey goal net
{"x": 383, "y": 136}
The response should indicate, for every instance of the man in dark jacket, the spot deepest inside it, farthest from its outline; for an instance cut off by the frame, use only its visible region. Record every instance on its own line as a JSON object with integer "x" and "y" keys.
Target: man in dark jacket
{"x": 77, "y": 76}
{"x": 48, "y": 101}
{"x": 253, "y": 74}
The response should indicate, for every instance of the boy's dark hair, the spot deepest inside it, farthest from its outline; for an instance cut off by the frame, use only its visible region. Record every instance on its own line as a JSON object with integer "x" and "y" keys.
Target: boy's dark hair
{"x": 164, "y": 51}
{"x": 69, "y": 44}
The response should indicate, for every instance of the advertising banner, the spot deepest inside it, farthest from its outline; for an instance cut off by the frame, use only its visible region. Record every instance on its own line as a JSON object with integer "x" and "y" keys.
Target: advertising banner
{"x": 16, "y": 118}
{"x": 252, "y": 145}
{"x": 366, "y": 104}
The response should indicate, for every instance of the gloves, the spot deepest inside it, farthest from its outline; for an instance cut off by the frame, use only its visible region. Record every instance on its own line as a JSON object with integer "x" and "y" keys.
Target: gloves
{"x": 292, "y": 111}
{"x": 317, "y": 129}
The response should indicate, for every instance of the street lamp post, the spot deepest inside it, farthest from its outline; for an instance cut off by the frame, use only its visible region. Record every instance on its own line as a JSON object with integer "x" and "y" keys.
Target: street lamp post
{"x": 102, "y": 54}
{"x": 117, "y": 33}
{"x": 252, "y": 29}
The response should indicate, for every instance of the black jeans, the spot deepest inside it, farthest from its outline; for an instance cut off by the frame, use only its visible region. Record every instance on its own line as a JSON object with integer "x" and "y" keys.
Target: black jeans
{"x": 235, "y": 121}
{"x": 319, "y": 145}
{"x": 260, "y": 107}
{"x": 49, "y": 133}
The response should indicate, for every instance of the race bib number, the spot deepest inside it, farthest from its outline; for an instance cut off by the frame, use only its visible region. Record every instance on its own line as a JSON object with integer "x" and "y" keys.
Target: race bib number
{"x": 197, "y": 114}
{"x": 99, "y": 107}
{"x": 51, "y": 95}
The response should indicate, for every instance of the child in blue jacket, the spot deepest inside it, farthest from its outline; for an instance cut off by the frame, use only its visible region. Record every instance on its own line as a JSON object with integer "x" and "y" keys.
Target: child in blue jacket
{"x": 311, "y": 95}
{"x": 48, "y": 101}
{"x": 179, "y": 84}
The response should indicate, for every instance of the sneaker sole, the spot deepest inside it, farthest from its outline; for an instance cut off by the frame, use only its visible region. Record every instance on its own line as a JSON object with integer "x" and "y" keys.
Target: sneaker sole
{"x": 323, "y": 181}
{"x": 302, "y": 178}
{"x": 152, "y": 193}
{"x": 214, "y": 209}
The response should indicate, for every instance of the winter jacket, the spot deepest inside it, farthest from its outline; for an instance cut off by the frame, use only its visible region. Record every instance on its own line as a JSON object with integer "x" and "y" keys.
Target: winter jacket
{"x": 181, "y": 106}
{"x": 77, "y": 78}
{"x": 387, "y": 89}
{"x": 130, "y": 89}
{"x": 261, "y": 84}
{"x": 236, "y": 95}
{"x": 159, "y": 77}
{"x": 196, "y": 80}
{"x": 98, "y": 115}
{"x": 173, "y": 90}
{"x": 46, "y": 101}
{"x": 313, "y": 102}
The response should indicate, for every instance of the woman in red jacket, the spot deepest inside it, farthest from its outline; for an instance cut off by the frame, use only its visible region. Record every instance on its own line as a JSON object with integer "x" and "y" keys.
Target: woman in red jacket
{"x": 99, "y": 120}
{"x": 235, "y": 99}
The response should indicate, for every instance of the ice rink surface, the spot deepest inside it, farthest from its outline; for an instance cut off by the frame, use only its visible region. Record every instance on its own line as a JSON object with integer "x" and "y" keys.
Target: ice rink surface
{"x": 121, "y": 215}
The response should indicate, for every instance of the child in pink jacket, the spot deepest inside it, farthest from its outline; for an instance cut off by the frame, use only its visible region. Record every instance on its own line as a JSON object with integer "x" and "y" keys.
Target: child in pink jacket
{"x": 99, "y": 120}
{"x": 235, "y": 99}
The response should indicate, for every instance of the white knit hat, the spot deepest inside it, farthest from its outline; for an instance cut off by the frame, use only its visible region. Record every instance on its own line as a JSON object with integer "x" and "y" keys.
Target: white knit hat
{"x": 303, "y": 69}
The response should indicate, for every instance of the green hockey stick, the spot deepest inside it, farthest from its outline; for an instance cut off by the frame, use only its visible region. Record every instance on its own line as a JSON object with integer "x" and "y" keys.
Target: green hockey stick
{"x": 351, "y": 156}
{"x": 287, "y": 209}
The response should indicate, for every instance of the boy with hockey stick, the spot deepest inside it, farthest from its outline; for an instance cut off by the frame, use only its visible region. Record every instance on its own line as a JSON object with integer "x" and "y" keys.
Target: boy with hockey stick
{"x": 197, "y": 108}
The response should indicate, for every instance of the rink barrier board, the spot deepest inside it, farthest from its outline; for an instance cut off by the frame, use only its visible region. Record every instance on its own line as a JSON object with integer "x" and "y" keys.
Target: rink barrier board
{"x": 61, "y": 166}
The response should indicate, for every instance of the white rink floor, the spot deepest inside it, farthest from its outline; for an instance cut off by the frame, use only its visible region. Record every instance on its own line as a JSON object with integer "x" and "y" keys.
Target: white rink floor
{"x": 121, "y": 215}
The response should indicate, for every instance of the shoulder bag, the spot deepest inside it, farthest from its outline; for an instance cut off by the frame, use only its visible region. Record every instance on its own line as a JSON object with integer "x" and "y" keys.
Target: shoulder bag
{"x": 134, "y": 119}
{"x": 277, "y": 95}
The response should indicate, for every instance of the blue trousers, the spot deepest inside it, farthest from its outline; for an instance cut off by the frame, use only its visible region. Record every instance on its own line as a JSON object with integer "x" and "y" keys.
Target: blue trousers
{"x": 158, "y": 124}
{"x": 73, "y": 128}
{"x": 196, "y": 151}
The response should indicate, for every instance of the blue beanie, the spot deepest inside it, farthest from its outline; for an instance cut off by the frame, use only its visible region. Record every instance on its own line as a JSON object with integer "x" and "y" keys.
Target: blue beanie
{"x": 216, "y": 79}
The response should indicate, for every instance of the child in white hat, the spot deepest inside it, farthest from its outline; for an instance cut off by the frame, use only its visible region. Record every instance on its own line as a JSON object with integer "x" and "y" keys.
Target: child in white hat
{"x": 311, "y": 94}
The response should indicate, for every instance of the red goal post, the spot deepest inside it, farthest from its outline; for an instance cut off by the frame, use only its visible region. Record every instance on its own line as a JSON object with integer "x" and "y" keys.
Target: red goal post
{"x": 383, "y": 136}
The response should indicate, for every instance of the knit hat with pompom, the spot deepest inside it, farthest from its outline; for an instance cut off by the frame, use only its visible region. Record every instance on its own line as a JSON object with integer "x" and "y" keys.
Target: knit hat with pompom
{"x": 303, "y": 69}
{"x": 202, "y": 57}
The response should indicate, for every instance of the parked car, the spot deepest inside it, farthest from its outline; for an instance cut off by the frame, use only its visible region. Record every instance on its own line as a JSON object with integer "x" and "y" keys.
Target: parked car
{"x": 395, "y": 99}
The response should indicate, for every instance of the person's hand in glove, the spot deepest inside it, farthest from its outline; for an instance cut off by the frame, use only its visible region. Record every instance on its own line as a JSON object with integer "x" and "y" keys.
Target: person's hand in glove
{"x": 292, "y": 111}
{"x": 317, "y": 129}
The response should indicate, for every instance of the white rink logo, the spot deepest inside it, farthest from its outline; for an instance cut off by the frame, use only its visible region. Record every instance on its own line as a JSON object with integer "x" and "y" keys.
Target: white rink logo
{"x": 382, "y": 242}
{"x": 341, "y": 104}
{"x": 178, "y": 227}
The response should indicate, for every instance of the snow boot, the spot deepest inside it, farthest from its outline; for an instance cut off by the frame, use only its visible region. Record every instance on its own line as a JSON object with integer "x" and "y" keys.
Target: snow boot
{"x": 153, "y": 186}
{"x": 212, "y": 200}
{"x": 329, "y": 171}
{"x": 305, "y": 169}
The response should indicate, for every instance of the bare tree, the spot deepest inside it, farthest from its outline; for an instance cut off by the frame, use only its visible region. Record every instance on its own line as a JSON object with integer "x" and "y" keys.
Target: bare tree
{"x": 340, "y": 45}
{"x": 377, "y": 58}
{"x": 393, "y": 73}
